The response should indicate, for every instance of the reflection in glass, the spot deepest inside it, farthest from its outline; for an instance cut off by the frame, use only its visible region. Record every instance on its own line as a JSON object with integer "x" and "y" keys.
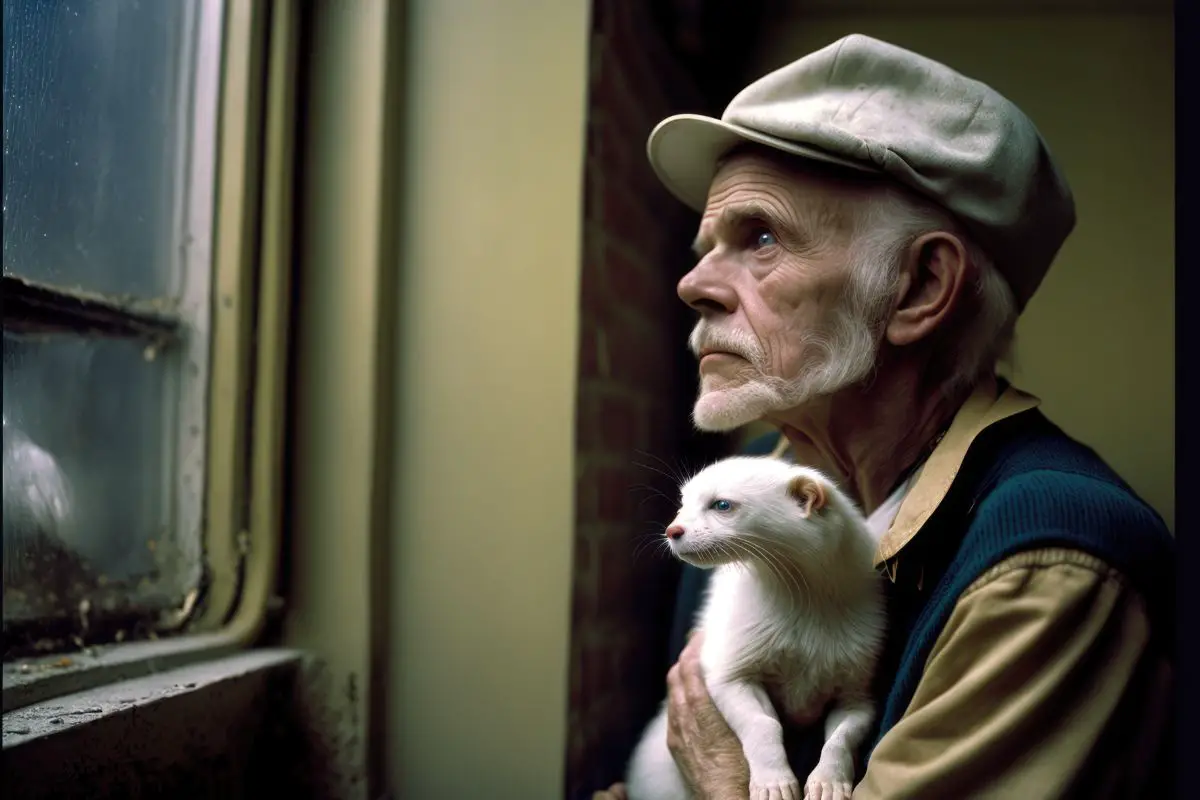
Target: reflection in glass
{"x": 88, "y": 477}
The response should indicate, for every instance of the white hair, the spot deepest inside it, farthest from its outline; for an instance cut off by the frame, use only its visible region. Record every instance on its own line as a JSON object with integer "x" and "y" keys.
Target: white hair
{"x": 891, "y": 220}
{"x": 885, "y": 222}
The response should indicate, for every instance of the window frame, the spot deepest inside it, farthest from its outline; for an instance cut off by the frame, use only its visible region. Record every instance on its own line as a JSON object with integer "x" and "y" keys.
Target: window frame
{"x": 248, "y": 312}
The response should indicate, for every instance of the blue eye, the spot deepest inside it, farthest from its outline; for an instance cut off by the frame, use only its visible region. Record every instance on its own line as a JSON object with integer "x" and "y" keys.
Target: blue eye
{"x": 721, "y": 505}
{"x": 765, "y": 239}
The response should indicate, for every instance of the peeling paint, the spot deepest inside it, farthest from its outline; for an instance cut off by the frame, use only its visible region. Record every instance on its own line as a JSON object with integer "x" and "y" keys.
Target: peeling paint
{"x": 329, "y": 708}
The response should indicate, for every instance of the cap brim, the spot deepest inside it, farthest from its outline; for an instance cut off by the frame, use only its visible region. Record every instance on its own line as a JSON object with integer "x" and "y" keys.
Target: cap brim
{"x": 684, "y": 150}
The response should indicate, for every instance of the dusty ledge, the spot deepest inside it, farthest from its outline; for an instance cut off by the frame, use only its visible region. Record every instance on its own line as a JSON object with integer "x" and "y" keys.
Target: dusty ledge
{"x": 33, "y": 680}
{"x": 218, "y": 728}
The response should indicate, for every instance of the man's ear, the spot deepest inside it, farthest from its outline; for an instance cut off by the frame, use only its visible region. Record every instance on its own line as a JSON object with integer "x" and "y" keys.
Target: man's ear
{"x": 808, "y": 493}
{"x": 931, "y": 285}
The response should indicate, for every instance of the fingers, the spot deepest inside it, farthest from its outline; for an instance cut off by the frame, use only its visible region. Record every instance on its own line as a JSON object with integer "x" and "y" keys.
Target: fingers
{"x": 686, "y": 689}
{"x": 687, "y": 694}
{"x": 676, "y": 708}
{"x": 691, "y": 673}
{"x": 676, "y": 694}
{"x": 614, "y": 792}
{"x": 674, "y": 679}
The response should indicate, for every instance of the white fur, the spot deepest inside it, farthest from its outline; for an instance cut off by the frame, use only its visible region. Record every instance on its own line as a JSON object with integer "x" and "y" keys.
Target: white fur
{"x": 794, "y": 614}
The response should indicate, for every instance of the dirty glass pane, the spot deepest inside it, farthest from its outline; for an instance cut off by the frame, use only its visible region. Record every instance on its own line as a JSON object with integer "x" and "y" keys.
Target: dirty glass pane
{"x": 92, "y": 123}
{"x": 88, "y": 454}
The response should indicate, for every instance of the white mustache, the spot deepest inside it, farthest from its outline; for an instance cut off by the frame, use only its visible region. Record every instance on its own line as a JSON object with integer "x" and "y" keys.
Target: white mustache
{"x": 706, "y": 336}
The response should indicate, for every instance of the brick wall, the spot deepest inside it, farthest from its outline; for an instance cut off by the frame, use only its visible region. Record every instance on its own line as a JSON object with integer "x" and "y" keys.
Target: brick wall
{"x": 636, "y": 385}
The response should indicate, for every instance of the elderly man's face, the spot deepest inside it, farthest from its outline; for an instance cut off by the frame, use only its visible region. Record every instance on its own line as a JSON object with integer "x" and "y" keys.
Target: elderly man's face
{"x": 773, "y": 250}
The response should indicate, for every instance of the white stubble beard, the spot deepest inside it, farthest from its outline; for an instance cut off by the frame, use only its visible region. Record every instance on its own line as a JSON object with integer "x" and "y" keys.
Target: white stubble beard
{"x": 844, "y": 355}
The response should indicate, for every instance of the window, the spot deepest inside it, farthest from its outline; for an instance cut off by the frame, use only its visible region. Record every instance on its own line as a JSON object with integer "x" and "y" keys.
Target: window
{"x": 110, "y": 140}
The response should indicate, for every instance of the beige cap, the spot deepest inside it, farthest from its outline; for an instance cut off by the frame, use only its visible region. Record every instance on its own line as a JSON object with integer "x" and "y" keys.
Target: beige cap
{"x": 876, "y": 107}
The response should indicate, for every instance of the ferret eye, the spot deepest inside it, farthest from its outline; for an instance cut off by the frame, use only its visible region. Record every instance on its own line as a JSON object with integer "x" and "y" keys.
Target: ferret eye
{"x": 721, "y": 505}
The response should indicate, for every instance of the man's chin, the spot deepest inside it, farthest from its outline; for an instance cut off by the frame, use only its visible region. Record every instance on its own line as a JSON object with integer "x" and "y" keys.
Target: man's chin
{"x": 723, "y": 410}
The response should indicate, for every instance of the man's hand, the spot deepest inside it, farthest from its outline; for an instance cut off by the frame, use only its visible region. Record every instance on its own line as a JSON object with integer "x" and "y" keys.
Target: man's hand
{"x": 705, "y": 749}
{"x": 614, "y": 792}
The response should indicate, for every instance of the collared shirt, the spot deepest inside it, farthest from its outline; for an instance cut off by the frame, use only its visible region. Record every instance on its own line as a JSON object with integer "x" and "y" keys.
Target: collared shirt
{"x": 881, "y": 519}
{"x": 1044, "y": 656}
{"x": 1049, "y": 647}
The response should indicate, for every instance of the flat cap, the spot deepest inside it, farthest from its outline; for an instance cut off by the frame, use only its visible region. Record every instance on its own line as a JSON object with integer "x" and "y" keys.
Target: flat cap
{"x": 872, "y": 106}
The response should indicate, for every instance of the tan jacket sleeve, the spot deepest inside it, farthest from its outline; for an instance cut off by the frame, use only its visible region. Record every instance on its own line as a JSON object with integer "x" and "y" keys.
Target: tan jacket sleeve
{"x": 1021, "y": 684}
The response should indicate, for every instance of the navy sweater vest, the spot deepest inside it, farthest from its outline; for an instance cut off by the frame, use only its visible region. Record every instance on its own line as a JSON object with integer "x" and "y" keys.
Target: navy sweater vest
{"x": 1023, "y": 485}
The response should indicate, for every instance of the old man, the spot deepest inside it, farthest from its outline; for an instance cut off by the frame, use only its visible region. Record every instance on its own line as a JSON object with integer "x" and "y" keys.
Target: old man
{"x": 873, "y": 223}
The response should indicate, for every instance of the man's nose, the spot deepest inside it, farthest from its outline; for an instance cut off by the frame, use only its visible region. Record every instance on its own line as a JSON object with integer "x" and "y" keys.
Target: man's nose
{"x": 706, "y": 289}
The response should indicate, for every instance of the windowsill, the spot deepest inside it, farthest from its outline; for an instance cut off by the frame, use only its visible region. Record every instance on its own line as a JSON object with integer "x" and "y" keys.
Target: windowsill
{"x": 215, "y": 728}
{"x": 33, "y": 680}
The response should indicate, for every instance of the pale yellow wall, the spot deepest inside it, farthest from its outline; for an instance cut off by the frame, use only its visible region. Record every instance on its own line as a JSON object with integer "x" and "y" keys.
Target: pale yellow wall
{"x": 483, "y": 483}
{"x": 1097, "y": 341}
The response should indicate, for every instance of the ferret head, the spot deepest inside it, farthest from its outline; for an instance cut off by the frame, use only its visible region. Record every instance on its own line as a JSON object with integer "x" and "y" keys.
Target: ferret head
{"x": 765, "y": 510}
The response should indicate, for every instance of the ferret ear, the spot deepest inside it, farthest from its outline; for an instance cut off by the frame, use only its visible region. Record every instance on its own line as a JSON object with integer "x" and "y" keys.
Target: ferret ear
{"x": 808, "y": 493}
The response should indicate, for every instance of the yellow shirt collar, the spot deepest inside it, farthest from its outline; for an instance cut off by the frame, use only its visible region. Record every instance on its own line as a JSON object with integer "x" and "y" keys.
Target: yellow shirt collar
{"x": 985, "y": 407}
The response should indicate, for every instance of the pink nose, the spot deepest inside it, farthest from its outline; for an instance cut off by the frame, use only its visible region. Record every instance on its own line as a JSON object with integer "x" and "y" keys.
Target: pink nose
{"x": 675, "y": 532}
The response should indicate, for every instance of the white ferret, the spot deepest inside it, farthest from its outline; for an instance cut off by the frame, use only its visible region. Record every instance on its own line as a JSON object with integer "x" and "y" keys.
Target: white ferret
{"x": 794, "y": 614}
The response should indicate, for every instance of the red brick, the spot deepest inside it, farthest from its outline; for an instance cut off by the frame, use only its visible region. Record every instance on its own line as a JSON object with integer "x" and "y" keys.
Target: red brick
{"x": 584, "y": 608}
{"x": 664, "y": 420}
{"x": 576, "y": 680}
{"x": 627, "y": 217}
{"x": 593, "y": 190}
{"x": 648, "y": 62}
{"x": 634, "y": 284}
{"x": 621, "y": 422}
{"x": 601, "y": 17}
{"x": 626, "y": 47}
{"x": 656, "y": 506}
{"x": 586, "y": 497}
{"x": 592, "y": 362}
{"x": 576, "y": 754}
{"x": 627, "y": 356}
{"x": 639, "y": 355}
{"x": 615, "y": 585}
{"x": 587, "y": 423}
{"x": 593, "y": 288}
{"x": 582, "y": 555}
{"x": 614, "y": 554}
{"x": 630, "y": 42}
{"x": 616, "y": 146}
{"x": 614, "y": 490}
{"x": 608, "y": 152}
{"x": 594, "y": 153}
{"x": 592, "y": 669}
{"x": 635, "y": 237}
{"x": 624, "y": 104}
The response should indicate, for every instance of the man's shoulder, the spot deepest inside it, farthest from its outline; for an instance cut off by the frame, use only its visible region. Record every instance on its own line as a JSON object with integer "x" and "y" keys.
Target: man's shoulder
{"x": 1038, "y": 488}
{"x": 1032, "y": 471}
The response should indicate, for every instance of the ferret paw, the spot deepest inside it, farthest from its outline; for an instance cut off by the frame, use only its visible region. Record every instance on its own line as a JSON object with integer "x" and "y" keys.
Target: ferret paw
{"x": 833, "y": 778}
{"x": 817, "y": 789}
{"x": 775, "y": 787}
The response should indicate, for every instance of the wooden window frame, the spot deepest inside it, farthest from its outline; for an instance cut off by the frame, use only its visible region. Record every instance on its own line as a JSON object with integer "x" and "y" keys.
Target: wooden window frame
{"x": 247, "y": 346}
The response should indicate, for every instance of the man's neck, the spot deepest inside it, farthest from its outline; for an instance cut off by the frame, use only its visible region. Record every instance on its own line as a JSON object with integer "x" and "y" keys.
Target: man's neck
{"x": 867, "y": 438}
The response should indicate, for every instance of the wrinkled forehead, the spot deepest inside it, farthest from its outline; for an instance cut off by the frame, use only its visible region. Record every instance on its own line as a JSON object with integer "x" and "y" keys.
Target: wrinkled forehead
{"x": 754, "y": 181}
